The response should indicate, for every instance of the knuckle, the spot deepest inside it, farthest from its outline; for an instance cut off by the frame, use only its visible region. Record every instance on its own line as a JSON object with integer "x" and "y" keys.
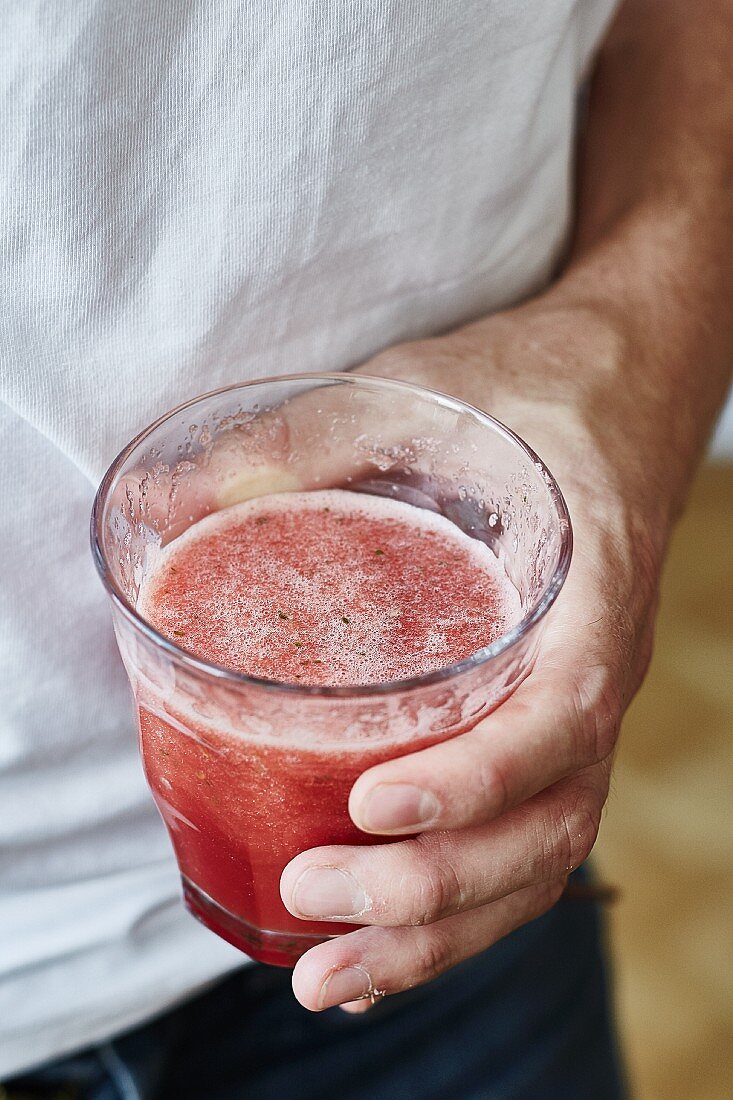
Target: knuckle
{"x": 492, "y": 784}
{"x": 568, "y": 833}
{"x": 485, "y": 787}
{"x": 433, "y": 955}
{"x": 425, "y": 899}
{"x": 436, "y": 890}
{"x": 577, "y": 829}
{"x": 597, "y": 706}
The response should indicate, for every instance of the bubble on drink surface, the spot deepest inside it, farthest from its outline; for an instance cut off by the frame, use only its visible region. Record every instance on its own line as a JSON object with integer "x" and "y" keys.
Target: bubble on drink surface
{"x": 328, "y": 587}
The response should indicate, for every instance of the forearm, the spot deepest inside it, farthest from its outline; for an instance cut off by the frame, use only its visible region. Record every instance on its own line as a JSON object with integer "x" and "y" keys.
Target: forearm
{"x": 653, "y": 250}
{"x": 615, "y": 373}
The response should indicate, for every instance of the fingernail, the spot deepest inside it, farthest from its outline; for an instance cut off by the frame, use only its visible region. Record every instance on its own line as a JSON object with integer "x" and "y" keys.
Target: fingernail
{"x": 350, "y": 983}
{"x": 398, "y": 806}
{"x": 328, "y": 892}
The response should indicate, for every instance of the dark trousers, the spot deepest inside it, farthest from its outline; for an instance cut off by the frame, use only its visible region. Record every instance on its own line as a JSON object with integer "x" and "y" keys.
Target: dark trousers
{"x": 527, "y": 1020}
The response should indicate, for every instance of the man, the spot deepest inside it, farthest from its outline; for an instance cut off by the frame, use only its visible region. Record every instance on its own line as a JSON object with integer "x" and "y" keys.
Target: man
{"x": 196, "y": 195}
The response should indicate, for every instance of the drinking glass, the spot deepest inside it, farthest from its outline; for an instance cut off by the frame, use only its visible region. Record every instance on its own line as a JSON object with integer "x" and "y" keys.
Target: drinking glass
{"x": 248, "y": 772}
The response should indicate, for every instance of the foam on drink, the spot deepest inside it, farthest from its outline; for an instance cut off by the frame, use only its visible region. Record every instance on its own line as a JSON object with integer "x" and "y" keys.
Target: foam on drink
{"x": 328, "y": 587}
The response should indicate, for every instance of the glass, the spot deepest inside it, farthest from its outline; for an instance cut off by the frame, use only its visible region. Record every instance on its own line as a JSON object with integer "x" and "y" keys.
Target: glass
{"x": 246, "y": 772}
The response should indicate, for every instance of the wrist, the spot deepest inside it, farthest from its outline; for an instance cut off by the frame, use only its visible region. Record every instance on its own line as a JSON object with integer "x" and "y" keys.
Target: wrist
{"x": 576, "y": 382}
{"x": 614, "y": 400}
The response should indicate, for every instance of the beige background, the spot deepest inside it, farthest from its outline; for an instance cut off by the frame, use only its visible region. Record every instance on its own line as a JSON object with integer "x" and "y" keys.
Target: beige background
{"x": 667, "y": 837}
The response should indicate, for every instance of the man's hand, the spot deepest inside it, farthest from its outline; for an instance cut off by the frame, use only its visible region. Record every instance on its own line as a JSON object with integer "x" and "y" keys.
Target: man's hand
{"x": 507, "y": 810}
{"x": 614, "y": 375}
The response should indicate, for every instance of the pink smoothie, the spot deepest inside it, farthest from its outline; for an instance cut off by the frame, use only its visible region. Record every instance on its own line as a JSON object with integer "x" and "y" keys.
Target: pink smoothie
{"x": 322, "y": 588}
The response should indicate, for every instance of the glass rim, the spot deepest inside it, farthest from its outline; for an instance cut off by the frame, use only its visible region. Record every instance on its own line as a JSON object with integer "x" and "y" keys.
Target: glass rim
{"x": 480, "y": 657}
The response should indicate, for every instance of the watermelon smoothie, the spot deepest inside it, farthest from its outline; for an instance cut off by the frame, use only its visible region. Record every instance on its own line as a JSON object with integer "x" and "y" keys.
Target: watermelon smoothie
{"x": 319, "y": 589}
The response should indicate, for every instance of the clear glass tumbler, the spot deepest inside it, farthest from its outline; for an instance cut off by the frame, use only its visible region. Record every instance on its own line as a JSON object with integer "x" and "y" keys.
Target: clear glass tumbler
{"x": 247, "y": 773}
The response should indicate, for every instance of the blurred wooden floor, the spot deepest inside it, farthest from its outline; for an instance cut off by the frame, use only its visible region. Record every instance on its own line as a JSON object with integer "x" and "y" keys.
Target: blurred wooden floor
{"x": 667, "y": 837}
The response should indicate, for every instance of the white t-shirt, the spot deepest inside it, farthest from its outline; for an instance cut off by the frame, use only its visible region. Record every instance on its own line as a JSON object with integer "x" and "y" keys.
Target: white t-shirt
{"x": 193, "y": 195}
